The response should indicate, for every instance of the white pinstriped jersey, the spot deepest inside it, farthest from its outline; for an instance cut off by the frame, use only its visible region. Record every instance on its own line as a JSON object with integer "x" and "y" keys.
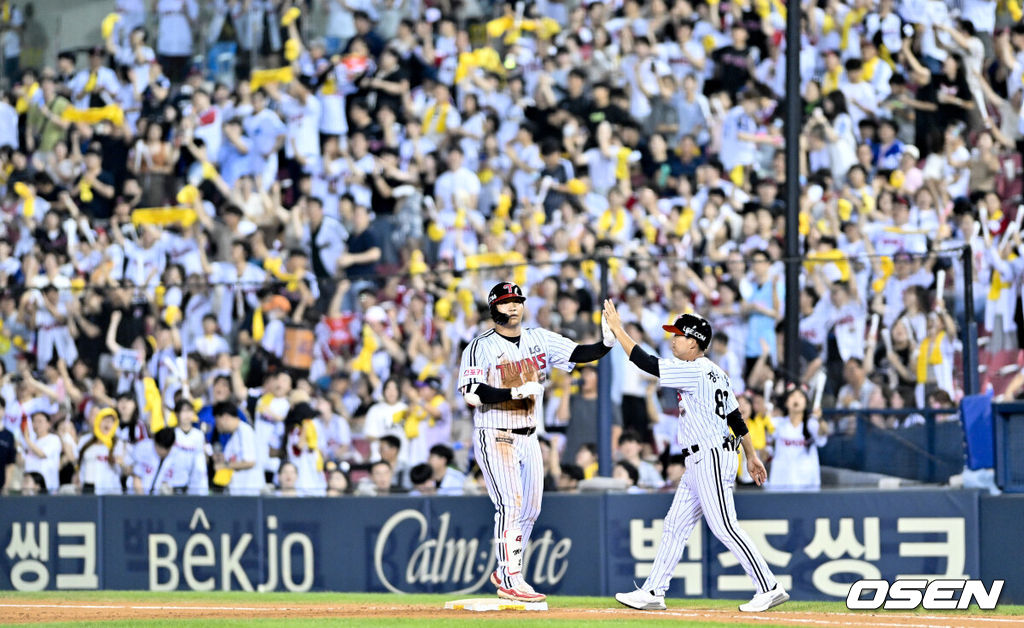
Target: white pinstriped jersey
{"x": 705, "y": 399}
{"x": 543, "y": 348}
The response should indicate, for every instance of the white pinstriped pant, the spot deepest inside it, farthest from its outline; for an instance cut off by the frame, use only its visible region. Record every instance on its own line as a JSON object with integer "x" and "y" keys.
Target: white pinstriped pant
{"x": 514, "y": 474}
{"x": 706, "y": 488}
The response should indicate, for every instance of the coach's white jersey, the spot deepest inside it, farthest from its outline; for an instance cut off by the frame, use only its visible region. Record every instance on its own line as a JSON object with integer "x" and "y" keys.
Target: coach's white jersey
{"x": 705, "y": 399}
{"x": 484, "y": 362}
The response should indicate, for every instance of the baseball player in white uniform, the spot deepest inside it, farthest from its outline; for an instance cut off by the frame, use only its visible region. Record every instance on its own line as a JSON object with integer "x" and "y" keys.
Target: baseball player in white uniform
{"x": 502, "y": 376}
{"x": 707, "y": 409}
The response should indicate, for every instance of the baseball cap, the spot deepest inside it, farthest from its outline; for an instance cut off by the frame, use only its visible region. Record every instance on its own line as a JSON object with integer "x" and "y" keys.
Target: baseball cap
{"x": 504, "y": 292}
{"x": 429, "y": 382}
{"x": 375, "y": 314}
{"x": 692, "y": 326}
{"x": 278, "y": 302}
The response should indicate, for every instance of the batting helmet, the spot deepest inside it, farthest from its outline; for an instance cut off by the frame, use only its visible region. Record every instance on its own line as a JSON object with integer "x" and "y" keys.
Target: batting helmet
{"x": 504, "y": 291}
{"x": 692, "y": 326}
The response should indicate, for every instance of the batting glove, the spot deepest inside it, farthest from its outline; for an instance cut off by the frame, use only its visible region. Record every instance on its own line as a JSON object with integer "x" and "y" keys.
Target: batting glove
{"x": 529, "y": 389}
{"x": 606, "y": 334}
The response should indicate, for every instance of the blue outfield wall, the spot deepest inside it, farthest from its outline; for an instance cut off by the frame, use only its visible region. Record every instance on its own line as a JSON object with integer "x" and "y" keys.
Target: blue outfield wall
{"x": 817, "y": 543}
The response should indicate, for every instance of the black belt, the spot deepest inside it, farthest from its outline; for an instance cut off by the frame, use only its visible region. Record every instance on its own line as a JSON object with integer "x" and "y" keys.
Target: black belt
{"x": 522, "y": 431}
{"x": 729, "y": 444}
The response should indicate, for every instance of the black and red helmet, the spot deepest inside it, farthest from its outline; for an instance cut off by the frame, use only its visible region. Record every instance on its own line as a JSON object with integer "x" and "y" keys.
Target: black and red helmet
{"x": 504, "y": 292}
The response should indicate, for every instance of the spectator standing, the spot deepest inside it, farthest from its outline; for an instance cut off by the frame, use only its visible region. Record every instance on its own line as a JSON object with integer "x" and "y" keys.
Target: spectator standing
{"x": 236, "y": 465}
{"x": 763, "y": 296}
{"x": 42, "y": 450}
{"x": 102, "y": 456}
{"x": 175, "y": 19}
{"x": 796, "y": 440}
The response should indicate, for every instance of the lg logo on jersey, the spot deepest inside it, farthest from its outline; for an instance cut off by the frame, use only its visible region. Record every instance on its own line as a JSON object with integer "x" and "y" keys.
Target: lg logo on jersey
{"x": 934, "y": 595}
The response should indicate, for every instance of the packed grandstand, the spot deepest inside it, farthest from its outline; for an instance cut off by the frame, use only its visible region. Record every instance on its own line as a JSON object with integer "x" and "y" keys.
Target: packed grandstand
{"x": 258, "y": 234}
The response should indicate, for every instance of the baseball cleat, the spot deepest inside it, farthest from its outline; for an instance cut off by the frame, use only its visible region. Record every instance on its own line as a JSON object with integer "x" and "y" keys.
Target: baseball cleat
{"x": 495, "y": 580}
{"x": 521, "y": 593}
{"x": 766, "y": 600}
{"x": 642, "y": 600}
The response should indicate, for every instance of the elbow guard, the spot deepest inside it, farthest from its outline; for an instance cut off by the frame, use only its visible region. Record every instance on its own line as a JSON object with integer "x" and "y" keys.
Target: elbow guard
{"x": 736, "y": 422}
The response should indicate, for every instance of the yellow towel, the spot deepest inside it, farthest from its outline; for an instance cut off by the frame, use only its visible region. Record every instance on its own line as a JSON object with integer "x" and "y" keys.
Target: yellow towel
{"x": 929, "y": 354}
{"x": 440, "y": 124}
{"x": 622, "y": 165}
{"x": 275, "y": 267}
{"x": 292, "y": 48}
{"x": 831, "y": 81}
{"x": 91, "y": 83}
{"x": 576, "y": 186}
{"x": 94, "y": 115}
{"x": 364, "y": 361}
{"x": 209, "y": 170}
{"x": 611, "y": 222}
{"x": 309, "y": 430}
{"x": 886, "y": 56}
{"x": 29, "y": 199}
{"x": 223, "y": 476}
{"x": 259, "y": 78}
{"x": 486, "y": 58}
{"x": 869, "y": 68}
{"x": 443, "y": 309}
{"x": 172, "y": 315}
{"x": 851, "y": 18}
{"x": 290, "y": 16}
{"x": 161, "y": 216}
{"x": 736, "y": 175}
{"x": 435, "y": 232}
{"x": 413, "y": 418}
{"x": 887, "y": 268}
{"x": 107, "y": 438}
{"x": 153, "y": 406}
{"x": 187, "y": 195}
{"x": 1014, "y": 9}
{"x": 258, "y": 328}
{"x": 684, "y": 222}
{"x": 107, "y": 25}
{"x": 998, "y": 284}
{"x": 21, "y": 105}
{"x": 834, "y": 256}
{"x": 417, "y": 265}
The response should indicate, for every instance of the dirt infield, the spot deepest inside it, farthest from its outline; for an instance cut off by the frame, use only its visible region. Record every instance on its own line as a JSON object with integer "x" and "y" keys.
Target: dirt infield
{"x": 16, "y": 611}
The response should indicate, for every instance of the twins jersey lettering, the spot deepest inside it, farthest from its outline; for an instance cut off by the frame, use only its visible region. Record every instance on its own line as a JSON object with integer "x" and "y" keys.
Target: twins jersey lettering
{"x": 705, "y": 398}
{"x": 490, "y": 357}
{"x": 511, "y": 462}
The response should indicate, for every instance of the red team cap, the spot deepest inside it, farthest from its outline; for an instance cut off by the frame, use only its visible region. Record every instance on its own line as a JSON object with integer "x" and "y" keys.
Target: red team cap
{"x": 505, "y": 292}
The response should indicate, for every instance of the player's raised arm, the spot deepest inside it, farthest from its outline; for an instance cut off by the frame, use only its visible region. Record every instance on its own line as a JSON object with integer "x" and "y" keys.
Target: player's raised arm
{"x": 643, "y": 360}
{"x": 595, "y": 351}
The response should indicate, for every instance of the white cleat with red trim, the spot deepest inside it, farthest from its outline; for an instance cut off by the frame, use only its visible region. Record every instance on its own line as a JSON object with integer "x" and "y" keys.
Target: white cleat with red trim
{"x": 521, "y": 592}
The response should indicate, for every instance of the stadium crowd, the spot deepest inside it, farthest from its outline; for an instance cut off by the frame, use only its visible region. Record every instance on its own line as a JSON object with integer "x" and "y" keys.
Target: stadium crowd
{"x": 244, "y": 241}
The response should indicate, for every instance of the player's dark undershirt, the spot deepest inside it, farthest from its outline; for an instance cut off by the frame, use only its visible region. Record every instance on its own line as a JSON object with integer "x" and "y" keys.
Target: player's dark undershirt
{"x": 580, "y": 355}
